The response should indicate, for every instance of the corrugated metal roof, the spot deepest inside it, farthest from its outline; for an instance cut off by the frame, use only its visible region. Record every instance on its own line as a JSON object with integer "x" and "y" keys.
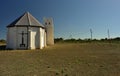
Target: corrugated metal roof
{"x": 26, "y": 20}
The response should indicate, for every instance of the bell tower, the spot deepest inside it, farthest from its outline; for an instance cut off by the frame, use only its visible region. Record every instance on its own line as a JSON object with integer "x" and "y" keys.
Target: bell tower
{"x": 48, "y": 22}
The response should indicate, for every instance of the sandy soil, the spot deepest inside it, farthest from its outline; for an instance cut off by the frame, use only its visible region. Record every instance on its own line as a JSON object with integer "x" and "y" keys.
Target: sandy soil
{"x": 73, "y": 59}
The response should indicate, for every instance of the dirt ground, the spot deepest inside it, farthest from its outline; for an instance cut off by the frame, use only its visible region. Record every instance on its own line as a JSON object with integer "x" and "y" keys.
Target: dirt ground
{"x": 67, "y": 59}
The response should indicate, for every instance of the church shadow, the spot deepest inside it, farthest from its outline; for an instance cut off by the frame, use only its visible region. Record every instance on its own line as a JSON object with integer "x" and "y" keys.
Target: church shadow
{"x": 2, "y": 47}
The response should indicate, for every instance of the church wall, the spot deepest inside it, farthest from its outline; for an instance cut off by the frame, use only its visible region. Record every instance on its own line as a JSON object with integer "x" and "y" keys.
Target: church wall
{"x": 37, "y": 38}
{"x": 34, "y": 37}
{"x": 42, "y": 41}
{"x": 29, "y": 38}
{"x": 11, "y": 38}
{"x": 19, "y": 38}
{"x": 45, "y": 38}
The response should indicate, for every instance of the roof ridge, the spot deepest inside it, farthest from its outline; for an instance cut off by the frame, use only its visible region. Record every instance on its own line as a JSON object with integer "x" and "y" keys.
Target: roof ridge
{"x": 28, "y": 18}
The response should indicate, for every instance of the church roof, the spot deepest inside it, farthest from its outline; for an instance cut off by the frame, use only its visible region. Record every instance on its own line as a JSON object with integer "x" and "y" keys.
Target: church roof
{"x": 26, "y": 20}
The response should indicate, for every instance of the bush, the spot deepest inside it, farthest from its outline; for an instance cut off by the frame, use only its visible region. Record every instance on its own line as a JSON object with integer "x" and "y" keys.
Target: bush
{"x": 2, "y": 41}
{"x": 58, "y": 40}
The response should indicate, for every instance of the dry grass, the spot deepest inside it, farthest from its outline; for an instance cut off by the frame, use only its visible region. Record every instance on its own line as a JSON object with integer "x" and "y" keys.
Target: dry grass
{"x": 86, "y": 59}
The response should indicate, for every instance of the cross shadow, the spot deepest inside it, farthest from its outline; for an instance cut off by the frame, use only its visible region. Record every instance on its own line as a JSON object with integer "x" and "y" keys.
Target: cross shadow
{"x": 2, "y": 47}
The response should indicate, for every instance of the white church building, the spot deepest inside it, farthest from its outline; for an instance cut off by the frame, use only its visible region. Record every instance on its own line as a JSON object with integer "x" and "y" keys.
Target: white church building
{"x": 26, "y": 32}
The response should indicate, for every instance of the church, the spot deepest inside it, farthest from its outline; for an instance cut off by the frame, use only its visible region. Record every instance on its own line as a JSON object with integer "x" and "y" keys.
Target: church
{"x": 26, "y": 32}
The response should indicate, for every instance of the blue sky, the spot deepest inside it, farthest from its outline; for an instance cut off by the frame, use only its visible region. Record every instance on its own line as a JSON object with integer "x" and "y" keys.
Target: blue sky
{"x": 71, "y": 17}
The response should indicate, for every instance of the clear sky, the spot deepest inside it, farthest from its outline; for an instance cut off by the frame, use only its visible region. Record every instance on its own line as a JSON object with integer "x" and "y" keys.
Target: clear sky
{"x": 71, "y": 17}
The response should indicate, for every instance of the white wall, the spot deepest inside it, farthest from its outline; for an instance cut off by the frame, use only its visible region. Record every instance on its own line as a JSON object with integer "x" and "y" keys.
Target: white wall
{"x": 42, "y": 38}
{"x": 36, "y": 38}
{"x": 14, "y": 37}
{"x": 19, "y": 37}
{"x": 11, "y": 38}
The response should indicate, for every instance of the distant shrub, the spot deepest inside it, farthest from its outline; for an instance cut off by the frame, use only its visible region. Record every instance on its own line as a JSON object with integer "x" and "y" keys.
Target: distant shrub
{"x": 2, "y": 41}
{"x": 70, "y": 40}
{"x": 87, "y": 40}
{"x": 58, "y": 40}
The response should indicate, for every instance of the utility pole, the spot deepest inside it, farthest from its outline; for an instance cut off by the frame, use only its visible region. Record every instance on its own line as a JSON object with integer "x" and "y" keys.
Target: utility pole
{"x": 108, "y": 34}
{"x": 91, "y": 33}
